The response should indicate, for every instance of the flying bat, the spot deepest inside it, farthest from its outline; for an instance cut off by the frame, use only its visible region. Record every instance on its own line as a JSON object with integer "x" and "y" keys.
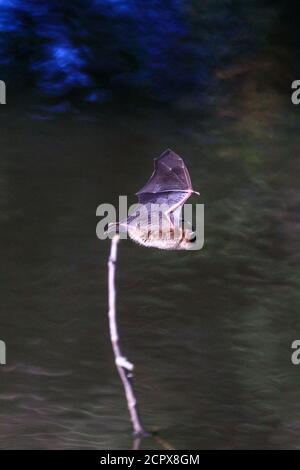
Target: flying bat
{"x": 156, "y": 222}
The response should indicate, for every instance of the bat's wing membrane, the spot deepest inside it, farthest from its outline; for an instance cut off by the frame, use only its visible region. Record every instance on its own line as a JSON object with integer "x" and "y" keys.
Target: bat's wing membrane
{"x": 170, "y": 174}
{"x": 170, "y": 184}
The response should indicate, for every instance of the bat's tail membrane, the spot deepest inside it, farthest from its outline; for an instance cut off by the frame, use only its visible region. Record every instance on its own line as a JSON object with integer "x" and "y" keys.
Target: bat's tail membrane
{"x": 115, "y": 228}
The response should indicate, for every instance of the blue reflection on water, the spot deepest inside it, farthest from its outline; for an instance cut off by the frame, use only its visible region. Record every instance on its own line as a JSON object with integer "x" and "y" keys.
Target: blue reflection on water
{"x": 163, "y": 49}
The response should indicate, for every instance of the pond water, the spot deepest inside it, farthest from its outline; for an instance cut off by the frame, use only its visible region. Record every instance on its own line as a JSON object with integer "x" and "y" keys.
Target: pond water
{"x": 209, "y": 331}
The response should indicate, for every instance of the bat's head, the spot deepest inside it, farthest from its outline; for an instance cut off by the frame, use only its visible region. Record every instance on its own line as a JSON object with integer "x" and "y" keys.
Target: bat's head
{"x": 188, "y": 240}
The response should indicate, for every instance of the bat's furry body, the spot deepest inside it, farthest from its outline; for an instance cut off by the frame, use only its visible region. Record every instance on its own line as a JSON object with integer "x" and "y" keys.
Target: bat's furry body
{"x": 177, "y": 239}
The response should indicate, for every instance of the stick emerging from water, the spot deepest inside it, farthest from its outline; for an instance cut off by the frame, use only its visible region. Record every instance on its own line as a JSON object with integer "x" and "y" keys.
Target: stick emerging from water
{"x": 124, "y": 367}
{"x": 163, "y": 196}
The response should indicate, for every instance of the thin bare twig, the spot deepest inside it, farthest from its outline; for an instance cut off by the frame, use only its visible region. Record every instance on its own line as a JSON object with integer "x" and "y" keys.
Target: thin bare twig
{"x": 124, "y": 367}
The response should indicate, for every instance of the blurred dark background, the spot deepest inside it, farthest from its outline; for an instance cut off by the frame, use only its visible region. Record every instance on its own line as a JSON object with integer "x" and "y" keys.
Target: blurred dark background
{"x": 181, "y": 52}
{"x": 95, "y": 90}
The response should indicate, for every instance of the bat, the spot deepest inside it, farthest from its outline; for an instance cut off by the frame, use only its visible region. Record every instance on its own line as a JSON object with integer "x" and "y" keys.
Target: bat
{"x": 157, "y": 220}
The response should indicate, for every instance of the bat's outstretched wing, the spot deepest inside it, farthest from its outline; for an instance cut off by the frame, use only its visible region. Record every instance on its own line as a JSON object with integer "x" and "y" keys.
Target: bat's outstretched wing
{"x": 170, "y": 184}
{"x": 170, "y": 174}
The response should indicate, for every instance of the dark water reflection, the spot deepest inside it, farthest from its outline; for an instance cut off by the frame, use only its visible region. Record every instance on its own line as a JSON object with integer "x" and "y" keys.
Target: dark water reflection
{"x": 209, "y": 331}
